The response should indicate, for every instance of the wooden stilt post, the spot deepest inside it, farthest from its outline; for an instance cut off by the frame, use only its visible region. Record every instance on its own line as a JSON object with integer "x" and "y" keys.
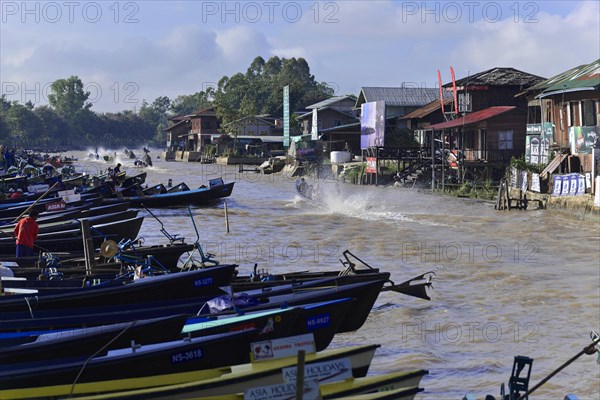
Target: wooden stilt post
{"x": 226, "y": 217}
{"x": 88, "y": 246}
{"x": 300, "y": 375}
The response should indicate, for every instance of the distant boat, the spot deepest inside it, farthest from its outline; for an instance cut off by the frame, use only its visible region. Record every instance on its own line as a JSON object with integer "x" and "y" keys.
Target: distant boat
{"x": 217, "y": 189}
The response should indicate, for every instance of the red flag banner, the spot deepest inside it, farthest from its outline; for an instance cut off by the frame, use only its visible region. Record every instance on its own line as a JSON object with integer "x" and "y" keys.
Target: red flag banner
{"x": 454, "y": 90}
{"x": 441, "y": 94}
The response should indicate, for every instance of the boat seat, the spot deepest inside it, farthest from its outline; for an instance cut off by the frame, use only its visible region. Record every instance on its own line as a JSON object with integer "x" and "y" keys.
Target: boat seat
{"x": 518, "y": 383}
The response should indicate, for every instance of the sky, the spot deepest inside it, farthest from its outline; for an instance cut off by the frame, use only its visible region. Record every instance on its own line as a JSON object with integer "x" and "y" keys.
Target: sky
{"x": 129, "y": 51}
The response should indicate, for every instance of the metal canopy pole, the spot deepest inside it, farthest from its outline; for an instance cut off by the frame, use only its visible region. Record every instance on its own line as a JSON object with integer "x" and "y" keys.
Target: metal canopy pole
{"x": 432, "y": 159}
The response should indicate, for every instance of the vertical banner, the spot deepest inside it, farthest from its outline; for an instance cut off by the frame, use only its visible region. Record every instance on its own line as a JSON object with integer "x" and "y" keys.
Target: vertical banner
{"x": 454, "y": 90}
{"x": 286, "y": 116}
{"x": 372, "y": 124}
{"x": 314, "y": 133}
{"x": 441, "y": 92}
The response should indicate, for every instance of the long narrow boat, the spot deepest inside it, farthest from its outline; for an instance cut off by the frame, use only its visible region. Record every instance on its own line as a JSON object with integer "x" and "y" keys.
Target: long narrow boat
{"x": 67, "y": 225}
{"x": 321, "y": 319}
{"x": 83, "y": 343}
{"x": 71, "y": 240}
{"x": 73, "y": 268}
{"x": 404, "y": 385}
{"x": 19, "y": 324}
{"x": 241, "y": 377}
{"x": 354, "y": 270}
{"x": 206, "y": 282}
{"x": 206, "y": 352}
{"x": 200, "y": 196}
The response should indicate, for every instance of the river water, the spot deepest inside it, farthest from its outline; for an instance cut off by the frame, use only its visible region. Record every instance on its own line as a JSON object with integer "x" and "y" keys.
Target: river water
{"x": 507, "y": 283}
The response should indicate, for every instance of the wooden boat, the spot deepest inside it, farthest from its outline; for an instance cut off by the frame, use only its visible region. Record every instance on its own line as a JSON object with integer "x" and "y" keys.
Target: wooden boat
{"x": 137, "y": 361}
{"x": 320, "y": 319}
{"x": 364, "y": 294}
{"x": 71, "y": 224}
{"x": 354, "y": 270}
{"x": 255, "y": 374}
{"x": 206, "y": 282}
{"x": 402, "y": 384}
{"x": 366, "y": 291}
{"x": 72, "y": 271}
{"x": 17, "y": 209}
{"x": 71, "y": 240}
{"x": 83, "y": 211}
{"x": 85, "y": 342}
{"x": 200, "y": 196}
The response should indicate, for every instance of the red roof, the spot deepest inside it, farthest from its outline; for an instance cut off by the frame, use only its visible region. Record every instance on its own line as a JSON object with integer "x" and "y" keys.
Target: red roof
{"x": 472, "y": 118}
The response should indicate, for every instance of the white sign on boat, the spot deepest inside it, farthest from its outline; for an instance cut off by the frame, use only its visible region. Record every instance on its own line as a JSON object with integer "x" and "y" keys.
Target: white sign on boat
{"x": 326, "y": 371}
{"x": 284, "y": 347}
{"x": 284, "y": 391}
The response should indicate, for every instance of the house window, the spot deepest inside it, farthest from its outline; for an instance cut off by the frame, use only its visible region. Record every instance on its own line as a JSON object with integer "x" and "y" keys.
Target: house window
{"x": 337, "y": 122}
{"x": 505, "y": 140}
{"x": 206, "y": 125}
{"x": 589, "y": 113}
{"x": 574, "y": 114}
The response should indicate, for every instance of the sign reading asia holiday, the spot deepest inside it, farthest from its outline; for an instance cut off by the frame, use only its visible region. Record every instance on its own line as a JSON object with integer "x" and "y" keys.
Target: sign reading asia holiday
{"x": 326, "y": 371}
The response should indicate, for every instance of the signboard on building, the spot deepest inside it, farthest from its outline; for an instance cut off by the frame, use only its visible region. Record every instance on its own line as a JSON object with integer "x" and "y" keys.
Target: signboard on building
{"x": 371, "y": 165}
{"x": 583, "y": 138}
{"x": 314, "y": 132}
{"x": 286, "y": 116}
{"x": 538, "y": 140}
{"x": 535, "y": 182}
{"x": 372, "y": 124}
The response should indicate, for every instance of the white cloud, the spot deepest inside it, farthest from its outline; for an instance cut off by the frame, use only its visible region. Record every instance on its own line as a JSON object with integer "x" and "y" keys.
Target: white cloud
{"x": 349, "y": 44}
{"x": 241, "y": 43}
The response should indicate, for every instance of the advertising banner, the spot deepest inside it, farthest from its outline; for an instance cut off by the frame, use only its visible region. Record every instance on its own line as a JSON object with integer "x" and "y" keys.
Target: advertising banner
{"x": 538, "y": 140}
{"x": 286, "y": 116}
{"x": 372, "y": 124}
{"x": 371, "y": 165}
{"x": 583, "y": 138}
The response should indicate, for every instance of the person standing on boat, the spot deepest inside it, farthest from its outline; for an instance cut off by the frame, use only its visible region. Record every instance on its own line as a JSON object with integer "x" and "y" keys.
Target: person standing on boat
{"x": 26, "y": 232}
{"x": 117, "y": 169}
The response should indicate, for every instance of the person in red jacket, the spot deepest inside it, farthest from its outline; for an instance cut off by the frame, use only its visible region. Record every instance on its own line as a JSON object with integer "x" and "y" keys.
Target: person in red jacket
{"x": 26, "y": 232}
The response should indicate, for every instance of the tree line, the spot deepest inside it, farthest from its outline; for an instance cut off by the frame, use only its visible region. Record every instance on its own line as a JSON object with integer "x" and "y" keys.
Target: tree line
{"x": 68, "y": 120}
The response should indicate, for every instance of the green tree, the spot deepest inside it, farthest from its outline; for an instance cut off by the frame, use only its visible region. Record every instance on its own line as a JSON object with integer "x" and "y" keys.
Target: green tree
{"x": 68, "y": 97}
{"x": 186, "y": 104}
{"x": 258, "y": 91}
{"x": 54, "y": 128}
{"x": 24, "y": 126}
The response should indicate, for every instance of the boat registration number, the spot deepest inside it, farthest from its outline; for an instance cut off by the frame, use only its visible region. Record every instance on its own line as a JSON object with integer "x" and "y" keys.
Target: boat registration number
{"x": 318, "y": 321}
{"x": 186, "y": 356}
{"x": 203, "y": 282}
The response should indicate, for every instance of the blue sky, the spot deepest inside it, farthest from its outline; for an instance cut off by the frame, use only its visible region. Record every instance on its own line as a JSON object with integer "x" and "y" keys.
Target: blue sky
{"x": 128, "y": 51}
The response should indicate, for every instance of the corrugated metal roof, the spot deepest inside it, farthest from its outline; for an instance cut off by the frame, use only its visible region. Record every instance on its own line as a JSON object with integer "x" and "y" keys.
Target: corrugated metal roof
{"x": 398, "y": 96}
{"x": 583, "y": 77}
{"x": 428, "y": 108}
{"x": 473, "y": 117}
{"x": 499, "y": 76}
{"x": 330, "y": 101}
{"x": 309, "y": 114}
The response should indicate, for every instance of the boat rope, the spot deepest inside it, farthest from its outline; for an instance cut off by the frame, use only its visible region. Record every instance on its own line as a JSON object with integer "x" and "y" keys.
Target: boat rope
{"x": 29, "y": 305}
{"x": 589, "y": 349}
{"x": 96, "y": 353}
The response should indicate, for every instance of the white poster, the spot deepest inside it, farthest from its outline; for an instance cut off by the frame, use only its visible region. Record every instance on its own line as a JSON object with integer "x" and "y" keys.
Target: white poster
{"x": 314, "y": 133}
{"x": 535, "y": 182}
